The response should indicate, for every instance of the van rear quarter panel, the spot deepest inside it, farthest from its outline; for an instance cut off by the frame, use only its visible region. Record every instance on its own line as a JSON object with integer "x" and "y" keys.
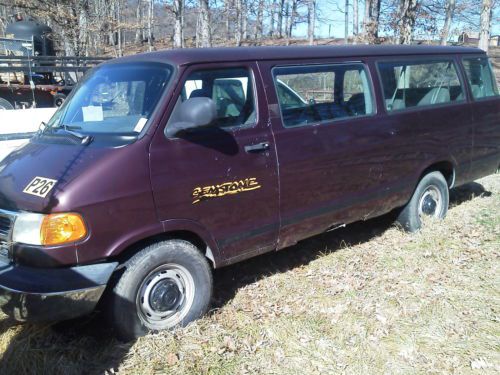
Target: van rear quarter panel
{"x": 442, "y": 133}
{"x": 486, "y": 120}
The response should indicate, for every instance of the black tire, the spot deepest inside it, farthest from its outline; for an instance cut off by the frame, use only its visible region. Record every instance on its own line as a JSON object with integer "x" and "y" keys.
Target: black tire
{"x": 59, "y": 99}
{"x": 5, "y": 104}
{"x": 143, "y": 276}
{"x": 422, "y": 202}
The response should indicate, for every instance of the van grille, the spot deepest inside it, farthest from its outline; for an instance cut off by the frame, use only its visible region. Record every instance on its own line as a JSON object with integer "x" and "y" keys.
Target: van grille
{"x": 6, "y": 226}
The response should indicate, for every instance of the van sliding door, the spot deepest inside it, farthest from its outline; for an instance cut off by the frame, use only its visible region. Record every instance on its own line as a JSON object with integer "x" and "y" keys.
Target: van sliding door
{"x": 331, "y": 151}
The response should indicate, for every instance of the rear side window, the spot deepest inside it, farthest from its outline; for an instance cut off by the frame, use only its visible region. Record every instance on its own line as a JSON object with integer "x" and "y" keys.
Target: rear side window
{"x": 231, "y": 89}
{"x": 480, "y": 77}
{"x": 321, "y": 93}
{"x": 416, "y": 84}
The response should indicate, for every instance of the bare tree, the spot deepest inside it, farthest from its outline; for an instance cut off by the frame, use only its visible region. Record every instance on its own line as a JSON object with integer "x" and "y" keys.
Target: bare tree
{"x": 291, "y": 20}
{"x": 346, "y": 22}
{"x": 259, "y": 21}
{"x": 227, "y": 17}
{"x": 485, "y": 25}
{"x": 139, "y": 22}
{"x": 311, "y": 20}
{"x": 178, "y": 10}
{"x": 355, "y": 17}
{"x": 279, "y": 25}
{"x": 244, "y": 20}
{"x": 450, "y": 11}
{"x": 150, "y": 24}
{"x": 205, "y": 32}
{"x": 239, "y": 22}
{"x": 272, "y": 12}
{"x": 371, "y": 20}
{"x": 408, "y": 13}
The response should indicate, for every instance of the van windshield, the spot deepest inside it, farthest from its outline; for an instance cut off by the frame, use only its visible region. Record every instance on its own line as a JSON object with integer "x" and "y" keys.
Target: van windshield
{"x": 115, "y": 99}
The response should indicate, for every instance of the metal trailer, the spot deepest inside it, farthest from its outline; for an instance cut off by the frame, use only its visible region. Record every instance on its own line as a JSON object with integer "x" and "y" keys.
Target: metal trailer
{"x": 30, "y": 81}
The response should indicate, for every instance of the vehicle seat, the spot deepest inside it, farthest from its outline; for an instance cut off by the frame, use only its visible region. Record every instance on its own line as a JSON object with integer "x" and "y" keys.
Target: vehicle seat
{"x": 477, "y": 91}
{"x": 356, "y": 104}
{"x": 435, "y": 96}
{"x": 200, "y": 93}
{"x": 396, "y": 104}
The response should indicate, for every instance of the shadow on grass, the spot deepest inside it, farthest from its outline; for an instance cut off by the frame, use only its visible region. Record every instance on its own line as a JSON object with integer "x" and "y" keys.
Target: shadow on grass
{"x": 87, "y": 346}
{"x": 466, "y": 193}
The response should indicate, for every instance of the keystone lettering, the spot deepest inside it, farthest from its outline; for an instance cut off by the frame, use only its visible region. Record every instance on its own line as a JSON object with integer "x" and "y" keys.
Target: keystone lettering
{"x": 226, "y": 188}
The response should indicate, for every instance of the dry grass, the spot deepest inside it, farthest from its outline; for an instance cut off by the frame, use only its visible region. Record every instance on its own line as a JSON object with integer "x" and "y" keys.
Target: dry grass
{"x": 365, "y": 299}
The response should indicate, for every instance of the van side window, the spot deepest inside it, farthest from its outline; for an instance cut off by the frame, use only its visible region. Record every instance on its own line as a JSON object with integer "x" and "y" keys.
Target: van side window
{"x": 231, "y": 89}
{"x": 411, "y": 84}
{"x": 480, "y": 77}
{"x": 319, "y": 93}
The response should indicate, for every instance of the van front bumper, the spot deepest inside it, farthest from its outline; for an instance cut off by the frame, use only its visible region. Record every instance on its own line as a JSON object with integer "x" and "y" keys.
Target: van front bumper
{"x": 51, "y": 294}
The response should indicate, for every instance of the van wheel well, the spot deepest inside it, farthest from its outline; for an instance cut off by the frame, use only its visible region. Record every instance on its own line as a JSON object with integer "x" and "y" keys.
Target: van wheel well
{"x": 447, "y": 170}
{"x": 190, "y": 237}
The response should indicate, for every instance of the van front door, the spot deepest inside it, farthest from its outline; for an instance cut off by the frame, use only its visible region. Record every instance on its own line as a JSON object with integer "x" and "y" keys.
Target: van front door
{"x": 224, "y": 176}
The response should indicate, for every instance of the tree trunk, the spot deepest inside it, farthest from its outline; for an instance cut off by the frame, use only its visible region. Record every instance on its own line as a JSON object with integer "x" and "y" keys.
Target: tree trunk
{"x": 279, "y": 26}
{"x": 119, "y": 33}
{"x": 287, "y": 17}
{"x": 291, "y": 21}
{"x": 408, "y": 12}
{"x": 178, "y": 9}
{"x": 150, "y": 24}
{"x": 238, "y": 35}
{"x": 311, "y": 20}
{"x": 346, "y": 22}
{"x": 366, "y": 17}
{"x": 372, "y": 13}
{"x": 258, "y": 22}
{"x": 244, "y": 20}
{"x": 274, "y": 5}
{"x": 484, "y": 35}
{"x": 227, "y": 10}
{"x": 355, "y": 17}
{"x": 450, "y": 12}
{"x": 205, "y": 33}
{"x": 138, "y": 21}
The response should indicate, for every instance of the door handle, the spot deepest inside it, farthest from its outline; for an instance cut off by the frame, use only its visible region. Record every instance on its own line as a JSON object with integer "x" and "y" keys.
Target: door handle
{"x": 257, "y": 147}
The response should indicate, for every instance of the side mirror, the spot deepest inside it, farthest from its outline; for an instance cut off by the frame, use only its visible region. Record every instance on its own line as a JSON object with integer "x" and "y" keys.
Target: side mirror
{"x": 192, "y": 113}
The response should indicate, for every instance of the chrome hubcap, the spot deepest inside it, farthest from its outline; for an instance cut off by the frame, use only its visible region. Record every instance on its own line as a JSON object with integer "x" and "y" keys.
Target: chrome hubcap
{"x": 431, "y": 202}
{"x": 165, "y": 296}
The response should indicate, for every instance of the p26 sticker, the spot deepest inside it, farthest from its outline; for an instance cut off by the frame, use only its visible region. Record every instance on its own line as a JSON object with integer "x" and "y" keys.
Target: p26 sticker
{"x": 40, "y": 186}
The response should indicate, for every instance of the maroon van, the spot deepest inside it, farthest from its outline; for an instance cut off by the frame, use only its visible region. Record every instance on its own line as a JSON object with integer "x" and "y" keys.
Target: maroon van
{"x": 162, "y": 166}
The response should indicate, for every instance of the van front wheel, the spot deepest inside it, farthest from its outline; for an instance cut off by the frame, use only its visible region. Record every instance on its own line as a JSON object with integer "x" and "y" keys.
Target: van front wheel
{"x": 431, "y": 198}
{"x": 166, "y": 285}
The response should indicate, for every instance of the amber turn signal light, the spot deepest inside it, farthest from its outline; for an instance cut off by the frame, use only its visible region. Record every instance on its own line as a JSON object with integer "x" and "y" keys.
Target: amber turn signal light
{"x": 58, "y": 229}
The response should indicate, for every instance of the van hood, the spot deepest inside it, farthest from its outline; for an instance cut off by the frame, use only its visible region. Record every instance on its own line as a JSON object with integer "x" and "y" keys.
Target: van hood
{"x": 69, "y": 166}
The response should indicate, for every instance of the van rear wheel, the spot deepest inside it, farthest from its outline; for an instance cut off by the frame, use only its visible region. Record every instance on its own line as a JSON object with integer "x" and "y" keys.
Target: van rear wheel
{"x": 165, "y": 285}
{"x": 431, "y": 198}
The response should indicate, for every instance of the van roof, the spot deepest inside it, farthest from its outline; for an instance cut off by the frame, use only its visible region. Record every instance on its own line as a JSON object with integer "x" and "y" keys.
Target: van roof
{"x": 233, "y": 54}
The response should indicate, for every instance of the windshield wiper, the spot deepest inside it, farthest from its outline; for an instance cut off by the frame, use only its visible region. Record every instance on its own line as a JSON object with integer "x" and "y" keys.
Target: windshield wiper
{"x": 84, "y": 138}
{"x": 67, "y": 127}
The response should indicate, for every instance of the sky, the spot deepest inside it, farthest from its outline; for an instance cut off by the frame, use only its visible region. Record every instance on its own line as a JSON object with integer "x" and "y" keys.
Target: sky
{"x": 335, "y": 23}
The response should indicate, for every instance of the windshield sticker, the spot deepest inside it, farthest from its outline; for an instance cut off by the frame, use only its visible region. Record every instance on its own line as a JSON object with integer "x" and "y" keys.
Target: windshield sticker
{"x": 92, "y": 113}
{"x": 40, "y": 186}
{"x": 140, "y": 124}
{"x": 226, "y": 188}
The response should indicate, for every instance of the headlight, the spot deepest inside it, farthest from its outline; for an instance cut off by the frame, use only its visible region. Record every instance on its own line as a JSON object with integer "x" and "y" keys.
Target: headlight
{"x": 48, "y": 230}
